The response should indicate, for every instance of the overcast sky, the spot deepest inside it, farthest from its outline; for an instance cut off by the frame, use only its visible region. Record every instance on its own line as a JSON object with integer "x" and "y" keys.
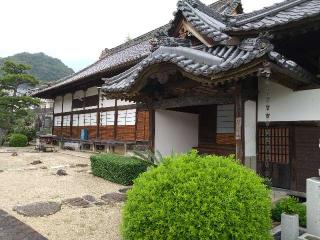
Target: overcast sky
{"x": 77, "y": 30}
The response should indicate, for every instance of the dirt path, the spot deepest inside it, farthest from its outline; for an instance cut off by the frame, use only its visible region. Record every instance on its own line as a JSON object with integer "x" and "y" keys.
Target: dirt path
{"x": 22, "y": 183}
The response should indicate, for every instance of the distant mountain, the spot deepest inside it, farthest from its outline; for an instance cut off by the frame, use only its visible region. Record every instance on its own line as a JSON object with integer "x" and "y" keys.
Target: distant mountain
{"x": 44, "y": 67}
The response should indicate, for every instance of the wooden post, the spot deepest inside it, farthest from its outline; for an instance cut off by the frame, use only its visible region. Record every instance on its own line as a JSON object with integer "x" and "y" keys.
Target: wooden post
{"x": 62, "y": 115}
{"x": 98, "y": 115}
{"x": 115, "y": 119}
{"x": 239, "y": 123}
{"x": 53, "y": 118}
{"x": 71, "y": 116}
{"x": 152, "y": 129}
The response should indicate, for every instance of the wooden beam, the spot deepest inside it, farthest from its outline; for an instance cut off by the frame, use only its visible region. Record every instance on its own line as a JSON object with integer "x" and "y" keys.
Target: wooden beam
{"x": 192, "y": 101}
{"x": 204, "y": 39}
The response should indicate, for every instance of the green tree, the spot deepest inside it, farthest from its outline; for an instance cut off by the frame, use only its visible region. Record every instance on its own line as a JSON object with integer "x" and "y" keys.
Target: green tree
{"x": 14, "y": 107}
{"x": 14, "y": 76}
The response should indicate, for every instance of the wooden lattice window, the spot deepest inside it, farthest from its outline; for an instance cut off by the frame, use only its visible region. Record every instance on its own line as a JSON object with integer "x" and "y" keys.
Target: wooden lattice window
{"x": 278, "y": 144}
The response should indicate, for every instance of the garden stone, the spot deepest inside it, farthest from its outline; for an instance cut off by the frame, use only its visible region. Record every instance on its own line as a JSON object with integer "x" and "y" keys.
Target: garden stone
{"x": 82, "y": 165}
{"x": 99, "y": 203}
{"x": 14, "y": 154}
{"x": 76, "y": 202}
{"x": 114, "y": 197}
{"x": 125, "y": 190}
{"x": 30, "y": 168}
{"x": 36, "y": 162}
{"x": 62, "y": 172}
{"x": 89, "y": 198}
{"x": 39, "y": 209}
{"x": 43, "y": 167}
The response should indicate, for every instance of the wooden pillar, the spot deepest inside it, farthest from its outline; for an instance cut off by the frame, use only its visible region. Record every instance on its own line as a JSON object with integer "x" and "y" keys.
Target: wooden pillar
{"x": 98, "y": 114}
{"x": 152, "y": 129}
{"x": 71, "y": 116}
{"x": 239, "y": 113}
{"x": 115, "y": 119}
{"x": 53, "y": 116}
{"x": 61, "y": 129}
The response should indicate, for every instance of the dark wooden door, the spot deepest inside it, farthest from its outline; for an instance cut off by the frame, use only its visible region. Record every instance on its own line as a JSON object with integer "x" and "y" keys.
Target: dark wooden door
{"x": 207, "y": 124}
{"x": 306, "y": 156}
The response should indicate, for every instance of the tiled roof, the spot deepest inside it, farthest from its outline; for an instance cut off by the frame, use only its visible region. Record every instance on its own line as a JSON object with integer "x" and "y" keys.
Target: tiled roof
{"x": 213, "y": 21}
{"x": 293, "y": 67}
{"x": 203, "y": 18}
{"x": 276, "y": 15}
{"x": 198, "y": 61}
{"x": 117, "y": 57}
{"x": 111, "y": 62}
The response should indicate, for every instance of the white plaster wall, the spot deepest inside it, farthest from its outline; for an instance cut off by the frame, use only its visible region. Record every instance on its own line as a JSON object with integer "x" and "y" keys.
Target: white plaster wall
{"x": 92, "y": 91}
{"x": 175, "y": 131}
{"x": 78, "y": 94}
{"x": 67, "y": 103}
{"x": 123, "y": 103}
{"x": 58, "y": 105}
{"x": 250, "y": 128}
{"x": 288, "y": 105}
{"x": 106, "y": 102}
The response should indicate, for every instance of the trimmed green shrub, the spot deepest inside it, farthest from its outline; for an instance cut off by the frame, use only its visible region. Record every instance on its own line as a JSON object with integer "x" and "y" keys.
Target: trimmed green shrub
{"x": 18, "y": 140}
{"x": 198, "y": 197}
{"x": 29, "y": 132}
{"x": 290, "y": 205}
{"x": 117, "y": 168}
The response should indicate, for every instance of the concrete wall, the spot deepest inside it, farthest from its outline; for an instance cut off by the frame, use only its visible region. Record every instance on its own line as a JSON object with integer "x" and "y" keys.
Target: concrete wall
{"x": 250, "y": 128}
{"x": 288, "y": 105}
{"x": 175, "y": 131}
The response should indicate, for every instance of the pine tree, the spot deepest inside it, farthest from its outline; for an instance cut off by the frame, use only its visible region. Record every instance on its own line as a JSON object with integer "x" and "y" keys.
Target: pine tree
{"x": 14, "y": 106}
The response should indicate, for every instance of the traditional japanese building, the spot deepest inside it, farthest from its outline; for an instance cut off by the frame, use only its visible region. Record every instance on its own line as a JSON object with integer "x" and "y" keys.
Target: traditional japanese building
{"x": 215, "y": 79}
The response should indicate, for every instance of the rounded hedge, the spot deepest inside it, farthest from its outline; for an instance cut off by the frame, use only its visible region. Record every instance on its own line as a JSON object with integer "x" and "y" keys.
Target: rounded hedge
{"x": 198, "y": 197}
{"x": 18, "y": 140}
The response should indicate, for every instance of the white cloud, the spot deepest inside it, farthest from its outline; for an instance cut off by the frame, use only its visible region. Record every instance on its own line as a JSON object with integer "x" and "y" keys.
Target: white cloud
{"x": 77, "y": 30}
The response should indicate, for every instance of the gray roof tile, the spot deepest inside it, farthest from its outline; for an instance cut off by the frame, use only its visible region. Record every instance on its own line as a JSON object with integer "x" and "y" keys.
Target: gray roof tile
{"x": 279, "y": 14}
{"x": 199, "y": 61}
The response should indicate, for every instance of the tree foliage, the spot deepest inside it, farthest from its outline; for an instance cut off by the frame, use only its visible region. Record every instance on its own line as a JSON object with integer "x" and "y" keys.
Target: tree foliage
{"x": 15, "y": 109}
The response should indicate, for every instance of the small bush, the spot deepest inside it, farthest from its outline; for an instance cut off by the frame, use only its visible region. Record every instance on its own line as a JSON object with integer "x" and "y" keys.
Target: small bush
{"x": 290, "y": 205}
{"x": 116, "y": 168}
{"x": 18, "y": 140}
{"x": 197, "y": 197}
{"x": 29, "y": 132}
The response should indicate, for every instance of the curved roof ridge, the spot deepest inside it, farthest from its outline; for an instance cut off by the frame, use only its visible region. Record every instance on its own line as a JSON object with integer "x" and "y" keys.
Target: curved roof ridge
{"x": 202, "y": 61}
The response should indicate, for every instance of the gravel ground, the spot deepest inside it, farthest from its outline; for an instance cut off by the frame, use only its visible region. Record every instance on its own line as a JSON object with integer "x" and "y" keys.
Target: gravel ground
{"x": 23, "y": 183}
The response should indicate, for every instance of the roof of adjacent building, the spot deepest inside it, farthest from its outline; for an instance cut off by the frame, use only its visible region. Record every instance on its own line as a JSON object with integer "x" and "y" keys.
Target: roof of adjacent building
{"x": 288, "y": 11}
{"x": 216, "y": 21}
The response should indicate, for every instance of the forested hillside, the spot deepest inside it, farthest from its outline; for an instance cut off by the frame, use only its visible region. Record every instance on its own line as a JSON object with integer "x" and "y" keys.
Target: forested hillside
{"x": 44, "y": 67}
